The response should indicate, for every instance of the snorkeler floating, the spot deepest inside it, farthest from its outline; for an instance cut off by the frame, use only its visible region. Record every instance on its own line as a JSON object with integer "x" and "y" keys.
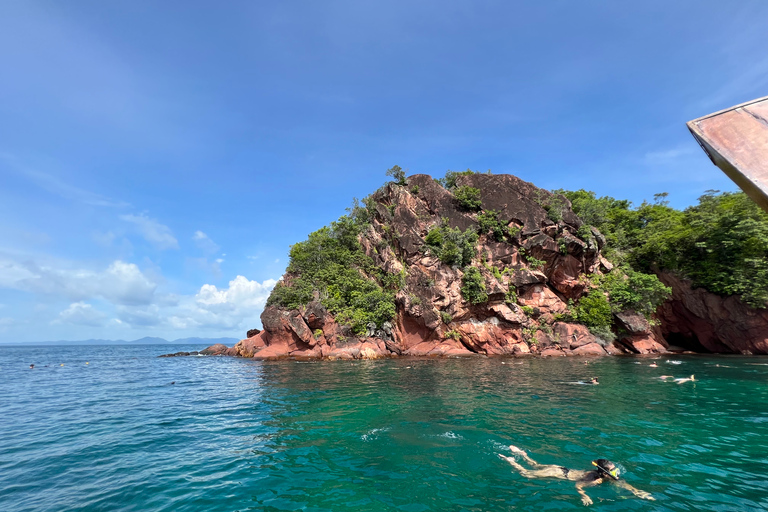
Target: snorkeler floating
{"x": 606, "y": 471}
{"x": 680, "y": 380}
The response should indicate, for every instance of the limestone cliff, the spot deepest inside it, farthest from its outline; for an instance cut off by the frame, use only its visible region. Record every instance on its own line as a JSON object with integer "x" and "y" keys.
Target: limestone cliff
{"x": 528, "y": 276}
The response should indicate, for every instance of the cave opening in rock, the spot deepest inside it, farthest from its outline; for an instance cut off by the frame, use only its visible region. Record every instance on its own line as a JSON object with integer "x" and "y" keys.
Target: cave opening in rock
{"x": 679, "y": 342}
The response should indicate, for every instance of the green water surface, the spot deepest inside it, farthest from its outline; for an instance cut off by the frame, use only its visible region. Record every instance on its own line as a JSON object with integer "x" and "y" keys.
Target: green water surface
{"x": 404, "y": 434}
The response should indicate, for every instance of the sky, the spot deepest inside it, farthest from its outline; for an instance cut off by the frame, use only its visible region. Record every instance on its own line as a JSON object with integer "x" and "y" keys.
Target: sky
{"x": 158, "y": 159}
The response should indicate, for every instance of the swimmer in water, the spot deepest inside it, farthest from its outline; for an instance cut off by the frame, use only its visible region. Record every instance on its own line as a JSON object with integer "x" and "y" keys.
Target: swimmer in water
{"x": 687, "y": 379}
{"x": 32, "y": 367}
{"x": 594, "y": 381}
{"x": 605, "y": 471}
{"x": 653, "y": 365}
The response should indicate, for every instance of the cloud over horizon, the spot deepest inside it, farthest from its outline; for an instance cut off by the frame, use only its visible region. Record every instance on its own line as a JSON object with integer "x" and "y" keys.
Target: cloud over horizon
{"x": 120, "y": 283}
{"x": 125, "y": 296}
{"x": 81, "y": 313}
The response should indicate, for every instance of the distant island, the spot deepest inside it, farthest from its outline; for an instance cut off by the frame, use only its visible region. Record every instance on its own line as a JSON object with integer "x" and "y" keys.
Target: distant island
{"x": 476, "y": 263}
{"x": 141, "y": 341}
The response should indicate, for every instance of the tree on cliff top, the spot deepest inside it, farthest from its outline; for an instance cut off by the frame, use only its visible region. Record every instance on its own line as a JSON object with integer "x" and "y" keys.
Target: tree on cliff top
{"x": 449, "y": 180}
{"x": 398, "y": 174}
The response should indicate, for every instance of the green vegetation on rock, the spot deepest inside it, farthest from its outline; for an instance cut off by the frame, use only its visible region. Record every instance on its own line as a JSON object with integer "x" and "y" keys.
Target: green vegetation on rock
{"x": 332, "y": 264}
{"x": 635, "y": 291}
{"x": 554, "y": 207}
{"x": 621, "y": 290}
{"x": 468, "y": 198}
{"x": 452, "y": 245}
{"x": 473, "y": 286}
{"x": 593, "y": 310}
{"x": 489, "y": 223}
{"x": 534, "y": 263}
{"x": 721, "y": 244}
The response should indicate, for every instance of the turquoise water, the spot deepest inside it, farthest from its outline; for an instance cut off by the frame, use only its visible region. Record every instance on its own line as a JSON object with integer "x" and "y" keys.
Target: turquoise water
{"x": 408, "y": 435}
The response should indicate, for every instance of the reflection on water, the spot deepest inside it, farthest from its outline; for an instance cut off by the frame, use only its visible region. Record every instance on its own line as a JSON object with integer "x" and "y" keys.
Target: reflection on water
{"x": 401, "y": 434}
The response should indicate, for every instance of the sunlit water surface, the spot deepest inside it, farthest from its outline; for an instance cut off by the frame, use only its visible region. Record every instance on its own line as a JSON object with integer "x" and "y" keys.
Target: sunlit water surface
{"x": 404, "y": 434}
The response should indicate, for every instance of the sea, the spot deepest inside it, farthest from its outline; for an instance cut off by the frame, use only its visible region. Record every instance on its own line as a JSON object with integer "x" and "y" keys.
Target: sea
{"x": 116, "y": 428}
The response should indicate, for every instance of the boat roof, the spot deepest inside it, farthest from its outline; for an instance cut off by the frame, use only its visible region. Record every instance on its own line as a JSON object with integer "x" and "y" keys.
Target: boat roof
{"x": 736, "y": 140}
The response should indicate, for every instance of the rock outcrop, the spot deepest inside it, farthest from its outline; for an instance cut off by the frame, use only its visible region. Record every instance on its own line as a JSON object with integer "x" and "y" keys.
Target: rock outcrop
{"x": 698, "y": 320}
{"x": 529, "y": 278}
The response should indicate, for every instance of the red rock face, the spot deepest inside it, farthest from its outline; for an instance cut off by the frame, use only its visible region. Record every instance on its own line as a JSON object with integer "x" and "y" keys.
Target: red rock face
{"x": 215, "y": 350}
{"x": 718, "y": 324}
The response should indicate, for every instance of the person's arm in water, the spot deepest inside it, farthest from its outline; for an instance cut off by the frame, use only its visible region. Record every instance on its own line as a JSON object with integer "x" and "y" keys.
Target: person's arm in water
{"x": 637, "y": 492}
{"x": 581, "y": 484}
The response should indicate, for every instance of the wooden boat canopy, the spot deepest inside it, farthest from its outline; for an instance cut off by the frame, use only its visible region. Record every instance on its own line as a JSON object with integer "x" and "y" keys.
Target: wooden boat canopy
{"x": 736, "y": 140}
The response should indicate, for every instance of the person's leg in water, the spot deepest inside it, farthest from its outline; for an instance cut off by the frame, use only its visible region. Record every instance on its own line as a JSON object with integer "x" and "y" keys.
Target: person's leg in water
{"x": 538, "y": 470}
{"x": 521, "y": 452}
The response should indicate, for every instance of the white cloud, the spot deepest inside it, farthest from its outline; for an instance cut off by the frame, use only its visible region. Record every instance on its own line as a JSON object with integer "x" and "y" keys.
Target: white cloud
{"x": 81, "y": 313}
{"x": 236, "y": 306}
{"x": 121, "y": 283}
{"x": 155, "y": 233}
{"x": 241, "y": 292}
{"x": 137, "y": 303}
{"x": 205, "y": 243}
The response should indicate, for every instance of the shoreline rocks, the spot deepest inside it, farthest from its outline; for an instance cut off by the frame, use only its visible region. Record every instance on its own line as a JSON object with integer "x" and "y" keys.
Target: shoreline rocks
{"x": 183, "y": 354}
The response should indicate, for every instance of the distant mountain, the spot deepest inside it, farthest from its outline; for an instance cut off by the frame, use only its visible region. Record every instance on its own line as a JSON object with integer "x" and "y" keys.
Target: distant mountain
{"x": 148, "y": 340}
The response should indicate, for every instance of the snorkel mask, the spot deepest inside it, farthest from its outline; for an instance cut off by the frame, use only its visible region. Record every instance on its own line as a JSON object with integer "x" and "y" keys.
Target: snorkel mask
{"x": 607, "y": 468}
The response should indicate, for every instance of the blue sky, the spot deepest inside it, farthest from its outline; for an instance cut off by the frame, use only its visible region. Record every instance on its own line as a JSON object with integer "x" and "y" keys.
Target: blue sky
{"x": 157, "y": 159}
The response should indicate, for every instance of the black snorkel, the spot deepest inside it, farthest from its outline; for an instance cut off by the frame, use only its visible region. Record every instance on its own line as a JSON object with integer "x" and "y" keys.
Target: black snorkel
{"x": 606, "y": 468}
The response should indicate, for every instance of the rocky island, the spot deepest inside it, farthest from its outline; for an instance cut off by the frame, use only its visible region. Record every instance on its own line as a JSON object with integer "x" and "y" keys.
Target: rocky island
{"x": 477, "y": 263}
